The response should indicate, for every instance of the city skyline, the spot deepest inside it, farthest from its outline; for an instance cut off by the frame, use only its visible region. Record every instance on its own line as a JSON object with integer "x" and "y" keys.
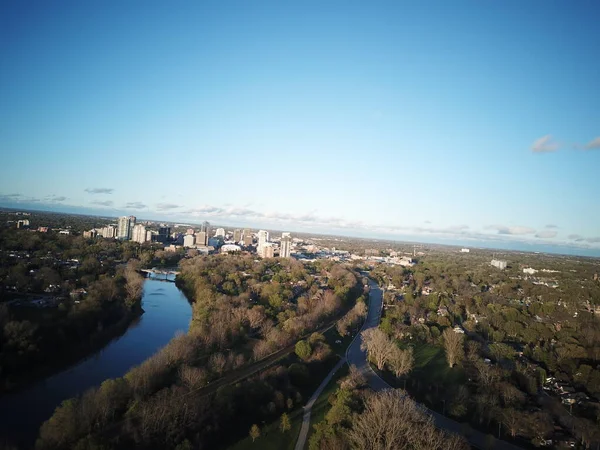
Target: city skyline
{"x": 448, "y": 123}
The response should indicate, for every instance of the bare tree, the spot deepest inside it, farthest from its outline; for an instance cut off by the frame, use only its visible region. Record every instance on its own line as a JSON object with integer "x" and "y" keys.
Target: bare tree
{"x": 392, "y": 421}
{"x": 378, "y": 346}
{"x": 401, "y": 361}
{"x": 453, "y": 344}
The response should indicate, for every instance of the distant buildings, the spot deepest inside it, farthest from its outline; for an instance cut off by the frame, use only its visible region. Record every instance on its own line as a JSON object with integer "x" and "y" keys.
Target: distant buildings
{"x": 285, "y": 247}
{"x": 124, "y": 228}
{"x": 139, "y": 234}
{"x": 529, "y": 270}
{"x": 237, "y": 235}
{"x": 201, "y": 238}
{"x": 247, "y": 237}
{"x": 500, "y": 264}
{"x": 90, "y": 234}
{"x": 230, "y": 248}
{"x": 23, "y": 223}
{"x": 267, "y": 250}
{"x": 189, "y": 240}
{"x": 465, "y": 250}
{"x": 108, "y": 232}
{"x": 205, "y": 227}
{"x": 220, "y": 232}
{"x": 263, "y": 238}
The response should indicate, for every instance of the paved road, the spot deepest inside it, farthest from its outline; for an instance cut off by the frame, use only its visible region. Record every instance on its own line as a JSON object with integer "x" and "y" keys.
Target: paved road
{"x": 356, "y": 356}
{"x": 307, "y": 408}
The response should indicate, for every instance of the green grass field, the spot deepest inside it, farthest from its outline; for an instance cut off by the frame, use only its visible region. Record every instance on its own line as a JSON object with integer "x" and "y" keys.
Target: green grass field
{"x": 322, "y": 406}
{"x": 431, "y": 366}
{"x": 271, "y": 437}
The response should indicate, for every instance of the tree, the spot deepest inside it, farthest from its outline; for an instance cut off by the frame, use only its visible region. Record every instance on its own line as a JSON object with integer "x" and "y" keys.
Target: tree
{"x": 453, "y": 344}
{"x": 254, "y": 432}
{"x": 303, "y": 349}
{"x": 284, "y": 424}
{"x": 378, "y": 346}
{"x": 391, "y": 420}
{"x": 401, "y": 361}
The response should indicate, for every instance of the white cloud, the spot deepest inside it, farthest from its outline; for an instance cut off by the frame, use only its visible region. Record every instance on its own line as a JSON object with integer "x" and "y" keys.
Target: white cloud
{"x": 593, "y": 144}
{"x": 135, "y": 205}
{"x": 99, "y": 190}
{"x": 547, "y": 234}
{"x": 512, "y": 230}
{"x": 102, "y": 202}
{"x": 544, "y": 144}
{"x": 166, "y": 206}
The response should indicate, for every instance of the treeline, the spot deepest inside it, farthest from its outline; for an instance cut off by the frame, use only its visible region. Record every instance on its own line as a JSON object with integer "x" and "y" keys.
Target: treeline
{"x": 242, "y": 311}
{"x": 361, "y": 419}
{"x": 36, "y": 341}
{"x": 511, "y": 335}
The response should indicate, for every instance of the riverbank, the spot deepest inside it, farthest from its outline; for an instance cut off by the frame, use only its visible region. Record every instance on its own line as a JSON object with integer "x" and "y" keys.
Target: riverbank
{"x": 73, "y": 355}
{"x": 166, "y": 311}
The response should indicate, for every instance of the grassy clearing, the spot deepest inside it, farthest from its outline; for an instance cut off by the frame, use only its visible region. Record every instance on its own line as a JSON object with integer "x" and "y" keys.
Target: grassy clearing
{"x": 271, "y": 437}
{"x": 322, "y": 405}
{"x": 431, "y": 366}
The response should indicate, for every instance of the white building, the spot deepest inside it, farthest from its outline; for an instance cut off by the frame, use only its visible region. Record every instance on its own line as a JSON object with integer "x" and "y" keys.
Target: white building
{"x": 263, "y": 238}
{"x": 500, "y": 264}
{"x": 529, "y": 270}
{"x": 285, "y": 248}
{"x": 139, "y": 234}
{"x": 189, "y": 240}
{"x": 123, "y": 228}
{"x": 108, "y": 232}
{"x": 266, "y": 251}
{"x": 220, "y": 232}
{"x": 465, "y": 250}
{"x": 230, "y": 248}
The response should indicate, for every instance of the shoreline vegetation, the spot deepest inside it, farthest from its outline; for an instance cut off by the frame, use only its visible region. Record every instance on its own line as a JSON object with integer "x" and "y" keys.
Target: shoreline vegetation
{"x": 242, "y": 311}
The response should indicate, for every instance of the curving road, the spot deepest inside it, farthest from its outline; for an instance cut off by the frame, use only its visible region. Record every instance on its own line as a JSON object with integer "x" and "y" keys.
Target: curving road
{"x": 356, "y": 356}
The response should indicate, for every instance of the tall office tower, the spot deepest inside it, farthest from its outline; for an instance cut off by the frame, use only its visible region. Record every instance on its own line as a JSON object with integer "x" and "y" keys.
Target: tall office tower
{"x": 205, "y": 227}
{"x": 190, "y": 231}
{"x": 285, "y": 250}
{"x": 164, "y": 234}
{"x": 220, "y": 232}
{"x": 237, "y": 235}
{"x": 263, "y": 238}
{"x": 123, "y": 228}
{"x": 201, "y": 238}
{"x": 139, "y": 233}
{"x": 248, "y": 238}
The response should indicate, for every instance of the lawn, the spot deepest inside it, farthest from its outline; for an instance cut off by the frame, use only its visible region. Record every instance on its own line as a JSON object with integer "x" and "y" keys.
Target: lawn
{"x": 322, "y": 405}
{"x": 431, "y": 366}
{"x": 271, "y": 437}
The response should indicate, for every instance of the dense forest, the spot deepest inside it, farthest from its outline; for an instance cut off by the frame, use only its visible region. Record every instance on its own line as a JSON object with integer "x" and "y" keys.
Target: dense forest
{"x": 522, "y": 351}
{"x": 243, "y": 311}
{"x": 61, "y": 295}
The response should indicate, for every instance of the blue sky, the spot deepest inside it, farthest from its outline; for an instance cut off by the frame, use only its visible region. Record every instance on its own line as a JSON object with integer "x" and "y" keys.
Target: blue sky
{"x": 462, "y": 121}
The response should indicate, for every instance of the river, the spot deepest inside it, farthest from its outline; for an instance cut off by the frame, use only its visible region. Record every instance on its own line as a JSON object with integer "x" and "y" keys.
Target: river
{"x": 166, "y": 311}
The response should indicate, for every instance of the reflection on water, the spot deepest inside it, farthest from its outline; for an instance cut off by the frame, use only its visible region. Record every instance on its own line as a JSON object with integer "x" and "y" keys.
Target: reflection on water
{"x": 166, "y": 311}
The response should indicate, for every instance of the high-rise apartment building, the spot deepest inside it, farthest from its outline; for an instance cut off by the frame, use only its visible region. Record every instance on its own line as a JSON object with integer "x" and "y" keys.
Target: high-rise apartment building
{"x": 263, "y": 238}
{"x": 237, "y": 235}
{"x": 285, "y": 248}
{"x": 139, "y": 234}
{"x": 220, "y": 232}
{"x": 123, "y": 228}
{"x": 189, "y": 240}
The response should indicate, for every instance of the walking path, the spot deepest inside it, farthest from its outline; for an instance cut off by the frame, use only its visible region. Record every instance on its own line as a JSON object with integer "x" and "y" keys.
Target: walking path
{"x": 307, "y": 408}
{"x": 358, "y": 357}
